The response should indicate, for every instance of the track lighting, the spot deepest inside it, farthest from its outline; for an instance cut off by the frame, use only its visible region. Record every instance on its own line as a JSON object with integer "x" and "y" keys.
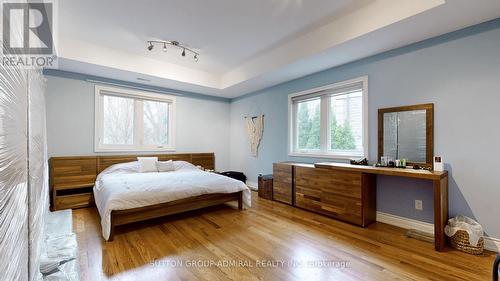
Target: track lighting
{"x": 175, "y": 44}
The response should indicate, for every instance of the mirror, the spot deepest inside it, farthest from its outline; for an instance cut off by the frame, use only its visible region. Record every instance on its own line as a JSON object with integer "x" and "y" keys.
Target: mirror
{"x": 407, "y": 132}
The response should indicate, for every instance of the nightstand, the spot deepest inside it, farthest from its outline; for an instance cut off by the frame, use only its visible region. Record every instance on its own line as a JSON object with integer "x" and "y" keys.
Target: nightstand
{"x": 72, "y": 181}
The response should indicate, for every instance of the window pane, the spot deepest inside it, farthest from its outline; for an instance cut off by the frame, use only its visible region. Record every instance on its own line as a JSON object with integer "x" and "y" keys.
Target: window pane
{"x": 346, "y": 123}
{"x": 156, "y": 123}
{"x": 118, "y": 120}
{"x": 308, "y": 125}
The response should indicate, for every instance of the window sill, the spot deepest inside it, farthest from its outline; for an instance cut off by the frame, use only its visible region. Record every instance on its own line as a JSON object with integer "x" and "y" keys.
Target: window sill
{"x": 324, "y": 155}
{"x": 166, "y": 149}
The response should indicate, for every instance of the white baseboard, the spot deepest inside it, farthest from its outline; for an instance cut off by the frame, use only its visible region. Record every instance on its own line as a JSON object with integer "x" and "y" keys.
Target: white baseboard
{"x": 253, "y": 185}
{"x": 490, "y": 243}
{"x": 405, "y": 222}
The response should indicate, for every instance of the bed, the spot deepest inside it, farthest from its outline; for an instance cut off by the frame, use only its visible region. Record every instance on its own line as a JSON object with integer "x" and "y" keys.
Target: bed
{"x": 124, "y": 195}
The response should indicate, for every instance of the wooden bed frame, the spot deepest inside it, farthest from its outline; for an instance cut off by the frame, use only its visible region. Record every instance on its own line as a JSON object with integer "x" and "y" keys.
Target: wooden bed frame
{"x": 121, "y": 217}
{"x": 75, "y": 172}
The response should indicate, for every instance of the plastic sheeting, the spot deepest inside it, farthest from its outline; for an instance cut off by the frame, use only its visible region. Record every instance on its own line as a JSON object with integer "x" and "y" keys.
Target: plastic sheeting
{"x": 67, "y": 271}
{"x": 13, "y": 174}
{"x": 38, "y": 189}
{"x": 472, "y": 227}
{"x": 23, "y": 172}
{"x": 59, "y": 258}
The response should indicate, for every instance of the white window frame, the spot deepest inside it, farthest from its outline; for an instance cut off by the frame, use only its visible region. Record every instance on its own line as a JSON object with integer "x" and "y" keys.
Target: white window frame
{"x": 324, "y": 130}
{"x": 138, "y": 96}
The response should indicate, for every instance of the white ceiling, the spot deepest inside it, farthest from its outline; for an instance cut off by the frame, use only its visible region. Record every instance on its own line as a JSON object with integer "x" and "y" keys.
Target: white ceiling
{"x": 226, "y": 32}
{"x": 245, "y": 45}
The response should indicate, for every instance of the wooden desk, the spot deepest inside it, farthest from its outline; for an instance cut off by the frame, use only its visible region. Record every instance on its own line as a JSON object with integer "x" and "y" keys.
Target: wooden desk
{"x": 440, "y": 183}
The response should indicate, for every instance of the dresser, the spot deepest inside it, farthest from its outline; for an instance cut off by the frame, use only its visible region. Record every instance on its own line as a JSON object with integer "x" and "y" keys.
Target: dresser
{"x": 348, "y": 192}
{"x": 347, "y": 196}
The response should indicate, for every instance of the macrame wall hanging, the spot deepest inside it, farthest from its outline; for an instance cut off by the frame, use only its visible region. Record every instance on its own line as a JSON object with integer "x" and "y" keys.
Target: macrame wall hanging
{"x": 255, "y": 128}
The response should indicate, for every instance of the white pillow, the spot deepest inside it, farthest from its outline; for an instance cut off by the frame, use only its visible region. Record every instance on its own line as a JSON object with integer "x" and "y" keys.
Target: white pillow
{"x": 183, "y": 165}
{"x": 165, "y": 166}
{"x": 147, "y": 164}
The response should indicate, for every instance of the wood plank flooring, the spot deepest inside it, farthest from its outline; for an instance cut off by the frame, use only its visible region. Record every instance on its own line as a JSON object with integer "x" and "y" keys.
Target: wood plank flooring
{"x": 270, "y": 241}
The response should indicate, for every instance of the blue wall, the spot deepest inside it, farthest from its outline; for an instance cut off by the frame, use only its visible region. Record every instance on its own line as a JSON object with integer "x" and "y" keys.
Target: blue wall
{"x": 458, "y": 72}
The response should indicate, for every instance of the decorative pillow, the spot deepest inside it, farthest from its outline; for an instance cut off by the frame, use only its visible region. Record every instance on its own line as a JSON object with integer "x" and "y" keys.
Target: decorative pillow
{"x": 165, "y": 166}
{"x": 147, "y": 164}
{"x": 183, "y": 165}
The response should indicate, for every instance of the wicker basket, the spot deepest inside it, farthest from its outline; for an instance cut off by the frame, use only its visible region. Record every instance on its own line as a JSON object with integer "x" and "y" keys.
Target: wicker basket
{"x": 460, "y": 241}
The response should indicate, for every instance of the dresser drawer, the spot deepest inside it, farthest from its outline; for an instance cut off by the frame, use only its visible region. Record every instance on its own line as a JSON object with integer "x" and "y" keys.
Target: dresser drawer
{"x": 336, "y": 194}
{"x": 308, "y": 198}
{"x": 282, "y": 192}
{"x": 283, "y": 183}
{"x": 74, "y": 201}
{"x": 341, "y": 207}
{"x": 335, "y": 182}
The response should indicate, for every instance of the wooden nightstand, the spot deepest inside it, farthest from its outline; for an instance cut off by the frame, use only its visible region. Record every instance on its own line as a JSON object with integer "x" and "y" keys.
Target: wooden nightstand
{"x": 71, "y": 181}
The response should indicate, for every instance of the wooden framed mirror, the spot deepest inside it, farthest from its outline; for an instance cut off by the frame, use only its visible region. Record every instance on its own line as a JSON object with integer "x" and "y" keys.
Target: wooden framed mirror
{"x": 407, "y": 132}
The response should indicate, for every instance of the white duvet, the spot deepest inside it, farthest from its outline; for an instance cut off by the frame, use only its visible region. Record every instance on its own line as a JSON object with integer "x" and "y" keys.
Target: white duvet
{"x": 121, "y": 187}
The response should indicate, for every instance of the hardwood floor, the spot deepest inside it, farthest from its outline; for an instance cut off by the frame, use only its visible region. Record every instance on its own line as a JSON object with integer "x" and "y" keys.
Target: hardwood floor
{"x": 251, "y": 244}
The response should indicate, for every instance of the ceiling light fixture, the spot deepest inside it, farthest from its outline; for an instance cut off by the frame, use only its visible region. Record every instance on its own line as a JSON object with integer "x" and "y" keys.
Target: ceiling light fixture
{"x": 175, "y": 44}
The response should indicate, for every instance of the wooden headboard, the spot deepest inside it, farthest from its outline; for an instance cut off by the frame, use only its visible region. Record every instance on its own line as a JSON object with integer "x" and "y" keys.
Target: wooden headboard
{"x": 206, "y": 160}
{"x": 76, "y": 170}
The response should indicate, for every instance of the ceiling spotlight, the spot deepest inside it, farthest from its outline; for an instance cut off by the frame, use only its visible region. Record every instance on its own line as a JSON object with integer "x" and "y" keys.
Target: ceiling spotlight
{"x": 176, "y": 44}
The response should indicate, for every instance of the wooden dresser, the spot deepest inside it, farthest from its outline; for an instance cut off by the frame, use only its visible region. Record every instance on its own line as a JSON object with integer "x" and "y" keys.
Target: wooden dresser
{"x": 348, "y": 192}
{"x": 347, "y": 196}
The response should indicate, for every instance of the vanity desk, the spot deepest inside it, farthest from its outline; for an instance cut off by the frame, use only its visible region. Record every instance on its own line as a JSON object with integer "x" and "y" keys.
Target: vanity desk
{"x": 440, "y": 186}
{"x": 348, "y": 192}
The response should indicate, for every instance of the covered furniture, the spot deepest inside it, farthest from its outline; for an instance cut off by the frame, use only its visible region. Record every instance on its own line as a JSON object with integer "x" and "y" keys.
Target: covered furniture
{"x": 59, "y": 255}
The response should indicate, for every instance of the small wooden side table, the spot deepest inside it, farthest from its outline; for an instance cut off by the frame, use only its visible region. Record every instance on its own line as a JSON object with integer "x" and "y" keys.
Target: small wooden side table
{"x": 266, "y": 186}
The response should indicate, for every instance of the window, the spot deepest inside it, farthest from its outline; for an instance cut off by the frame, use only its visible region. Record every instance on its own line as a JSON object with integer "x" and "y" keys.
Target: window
{"x": 330, "y": 121}
{"x": 130, "y": 120}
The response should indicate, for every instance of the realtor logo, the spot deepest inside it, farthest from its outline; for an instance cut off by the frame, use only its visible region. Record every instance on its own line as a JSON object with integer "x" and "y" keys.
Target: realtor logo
{"x": 27, "y": 34}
